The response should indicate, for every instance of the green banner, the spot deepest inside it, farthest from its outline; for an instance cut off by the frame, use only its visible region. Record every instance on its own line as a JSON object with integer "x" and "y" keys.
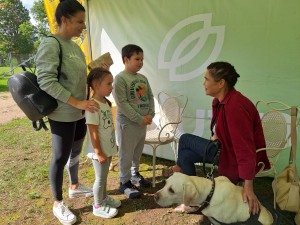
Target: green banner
{"x": 261, "y": 38}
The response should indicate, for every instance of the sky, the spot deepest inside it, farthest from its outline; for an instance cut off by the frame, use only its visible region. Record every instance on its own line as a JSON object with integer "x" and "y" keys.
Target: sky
{"x": 28, "y": 4}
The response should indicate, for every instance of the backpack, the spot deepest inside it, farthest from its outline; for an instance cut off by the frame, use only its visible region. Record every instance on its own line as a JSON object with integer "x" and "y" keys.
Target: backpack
{"x": 35, "y": 103}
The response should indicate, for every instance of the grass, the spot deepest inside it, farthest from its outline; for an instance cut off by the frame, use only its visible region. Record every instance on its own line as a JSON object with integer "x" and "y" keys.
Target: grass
{"x": 3, "y": 83}
{"x": 26, "y": 199}
{"x": 25, "y": 196}
{"x": 19, "y": 176}
{"x": 4, "y": 78}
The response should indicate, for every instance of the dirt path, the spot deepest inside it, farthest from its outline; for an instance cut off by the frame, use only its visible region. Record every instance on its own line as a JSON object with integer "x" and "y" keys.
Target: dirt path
{"x": 8, "y": 108}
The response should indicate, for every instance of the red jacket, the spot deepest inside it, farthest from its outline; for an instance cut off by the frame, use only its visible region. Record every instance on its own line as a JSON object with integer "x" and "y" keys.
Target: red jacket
{"x": 239, "y": 129}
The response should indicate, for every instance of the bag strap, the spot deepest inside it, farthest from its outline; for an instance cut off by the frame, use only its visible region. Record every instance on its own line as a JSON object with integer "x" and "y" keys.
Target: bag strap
{"x": 39, "y": 124}
{"x": 60, "y": 57}
{"x": 294, "y": 111}
{"x": 210, "y": 175}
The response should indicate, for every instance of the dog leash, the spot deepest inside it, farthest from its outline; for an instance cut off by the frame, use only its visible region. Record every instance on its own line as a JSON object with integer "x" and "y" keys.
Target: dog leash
{"x": 210, "y": 175}
{"x": 208, "y": 198}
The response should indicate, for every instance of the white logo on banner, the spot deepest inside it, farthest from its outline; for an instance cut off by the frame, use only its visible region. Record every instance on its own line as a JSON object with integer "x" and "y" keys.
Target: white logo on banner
{"x": 200, "y": 37}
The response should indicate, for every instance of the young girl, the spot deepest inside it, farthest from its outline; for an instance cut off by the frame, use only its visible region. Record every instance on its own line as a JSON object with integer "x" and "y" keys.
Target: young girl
{"x": 101, "y": 143}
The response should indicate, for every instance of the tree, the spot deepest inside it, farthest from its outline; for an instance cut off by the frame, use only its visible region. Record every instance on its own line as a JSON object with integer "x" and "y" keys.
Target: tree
{"x": 39, "y": 14}
{"x": 12, "y": 15}
{"x": 26, "y": 38}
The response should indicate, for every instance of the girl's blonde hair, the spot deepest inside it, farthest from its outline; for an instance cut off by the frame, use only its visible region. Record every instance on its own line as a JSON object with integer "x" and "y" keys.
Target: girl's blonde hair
{"x": 96, "y": 74}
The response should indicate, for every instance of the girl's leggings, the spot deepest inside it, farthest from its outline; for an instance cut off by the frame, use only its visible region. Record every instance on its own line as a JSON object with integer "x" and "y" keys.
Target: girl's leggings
{"x": 101, "y": 173}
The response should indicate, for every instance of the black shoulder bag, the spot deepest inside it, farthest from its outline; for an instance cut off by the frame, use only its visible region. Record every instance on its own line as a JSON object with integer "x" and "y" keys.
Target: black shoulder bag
{"x": 34, "y": 102}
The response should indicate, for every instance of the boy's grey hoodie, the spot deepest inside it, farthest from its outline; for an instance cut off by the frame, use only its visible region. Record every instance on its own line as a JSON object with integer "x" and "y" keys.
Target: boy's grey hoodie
{"x": 133, "y": 96}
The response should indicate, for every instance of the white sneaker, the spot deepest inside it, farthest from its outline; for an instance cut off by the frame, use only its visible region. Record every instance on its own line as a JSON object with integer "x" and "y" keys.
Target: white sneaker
{"x": 115, "y": 203}
{"x": 64, "y": 215}
{"x": 81, "y": 191}
{"x": 105, "y": 211}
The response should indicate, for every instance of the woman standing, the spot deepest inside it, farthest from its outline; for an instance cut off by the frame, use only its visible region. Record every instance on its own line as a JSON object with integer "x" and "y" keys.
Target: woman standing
{"x": 67, "y": 122}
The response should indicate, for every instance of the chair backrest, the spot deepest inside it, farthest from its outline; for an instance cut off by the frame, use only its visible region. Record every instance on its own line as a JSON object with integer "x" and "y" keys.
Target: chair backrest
{"x": 275, "y": 129}
{"x": 275, "y": 126}
{"x": 171, "y": 110}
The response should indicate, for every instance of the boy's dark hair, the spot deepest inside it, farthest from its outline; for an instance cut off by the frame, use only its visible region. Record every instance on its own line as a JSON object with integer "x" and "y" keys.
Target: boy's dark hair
{"x": 128, "y": 50}
{"x": 67, "y": 8}
{"x": 97, "y": 73}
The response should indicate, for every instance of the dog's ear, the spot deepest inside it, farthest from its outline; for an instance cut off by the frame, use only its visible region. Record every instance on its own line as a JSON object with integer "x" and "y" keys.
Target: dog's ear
{"x": 189, "y": 192}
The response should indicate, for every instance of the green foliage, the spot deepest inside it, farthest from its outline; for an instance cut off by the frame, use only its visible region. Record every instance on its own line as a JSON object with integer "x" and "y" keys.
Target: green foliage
{"x": 26, "y": 37}
{"x": 39, "y": 14}
{"x": 12, "y": 15}
{"x": 3, "y": 57}
{"x": 17, "y": 34}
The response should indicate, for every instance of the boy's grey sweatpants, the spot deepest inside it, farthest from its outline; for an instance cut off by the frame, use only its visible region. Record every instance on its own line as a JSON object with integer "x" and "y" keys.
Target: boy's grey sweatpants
{"x": 131, "y": 140}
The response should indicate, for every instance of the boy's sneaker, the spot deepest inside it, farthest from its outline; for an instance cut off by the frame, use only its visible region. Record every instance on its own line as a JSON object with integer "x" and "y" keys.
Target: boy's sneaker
{"x": 105, "y": 211}
{"x": 81, "y": 191}
{"x": 64, "y": 215}
{"x": 129, "y": 190}
{"x": 115, "y": 203}
{"x": 140, "y": 181}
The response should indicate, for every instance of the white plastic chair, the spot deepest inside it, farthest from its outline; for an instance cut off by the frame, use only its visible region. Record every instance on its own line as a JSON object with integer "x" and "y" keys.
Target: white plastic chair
{"x": 171, "y": 109}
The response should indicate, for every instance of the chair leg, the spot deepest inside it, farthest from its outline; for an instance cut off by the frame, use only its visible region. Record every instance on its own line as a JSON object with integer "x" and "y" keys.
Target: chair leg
{"x": 154, "y": 166}
{"x": 174, "y": 146}
{"x": 274, "y": 192}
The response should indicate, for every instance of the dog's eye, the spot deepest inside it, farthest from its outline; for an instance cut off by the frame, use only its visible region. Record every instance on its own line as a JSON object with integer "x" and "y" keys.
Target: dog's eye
{"x": 171, "y": 190}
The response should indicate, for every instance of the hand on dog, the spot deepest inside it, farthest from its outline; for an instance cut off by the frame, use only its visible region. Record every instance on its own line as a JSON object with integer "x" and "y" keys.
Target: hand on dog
{"x": 250, "y": 197}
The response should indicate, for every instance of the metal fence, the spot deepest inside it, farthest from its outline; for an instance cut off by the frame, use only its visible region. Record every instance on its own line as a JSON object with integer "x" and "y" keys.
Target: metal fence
{"x": 13, "y": 61}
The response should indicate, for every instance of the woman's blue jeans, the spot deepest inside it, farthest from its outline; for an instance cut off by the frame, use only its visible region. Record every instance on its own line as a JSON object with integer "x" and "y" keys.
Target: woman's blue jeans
{"x": 191, "y": 150}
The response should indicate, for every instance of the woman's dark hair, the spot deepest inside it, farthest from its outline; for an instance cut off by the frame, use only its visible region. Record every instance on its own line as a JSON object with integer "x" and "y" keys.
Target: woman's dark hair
{"x": 67, "y": 8}
{"x": 128, "y": 50}
{"x": 97, "y": 73}
{"x": 223, "y": 70}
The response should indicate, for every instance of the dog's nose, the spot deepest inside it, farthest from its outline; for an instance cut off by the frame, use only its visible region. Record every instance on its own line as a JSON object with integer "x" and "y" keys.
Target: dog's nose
{"x": 156, "y": 196}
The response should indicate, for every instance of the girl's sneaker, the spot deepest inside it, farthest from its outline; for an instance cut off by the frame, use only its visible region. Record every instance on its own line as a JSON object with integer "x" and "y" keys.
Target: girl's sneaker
{"x": 64, "y": 215}
{"x": 105, "y": 211}
{"x": 115, "y": 203}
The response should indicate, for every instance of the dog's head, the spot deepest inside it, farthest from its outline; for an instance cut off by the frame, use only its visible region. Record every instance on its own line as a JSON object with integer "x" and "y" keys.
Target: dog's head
{"x": 178, "y": 189}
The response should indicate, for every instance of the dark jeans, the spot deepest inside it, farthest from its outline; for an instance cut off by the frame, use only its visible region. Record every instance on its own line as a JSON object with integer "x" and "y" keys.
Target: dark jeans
{"x": 67, "y": 141}
{"x": 191, "y": 150}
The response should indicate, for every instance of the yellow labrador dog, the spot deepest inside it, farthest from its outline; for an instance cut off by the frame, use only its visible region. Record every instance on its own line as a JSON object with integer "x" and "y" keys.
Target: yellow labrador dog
{"x": 226, "y": 204}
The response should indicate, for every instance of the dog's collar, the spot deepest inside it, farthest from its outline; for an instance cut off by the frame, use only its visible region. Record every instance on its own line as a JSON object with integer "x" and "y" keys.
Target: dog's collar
{"x": 208, "y": 198}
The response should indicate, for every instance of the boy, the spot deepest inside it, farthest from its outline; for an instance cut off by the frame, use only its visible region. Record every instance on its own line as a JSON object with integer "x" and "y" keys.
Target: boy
{"x": 135, "y": 110}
